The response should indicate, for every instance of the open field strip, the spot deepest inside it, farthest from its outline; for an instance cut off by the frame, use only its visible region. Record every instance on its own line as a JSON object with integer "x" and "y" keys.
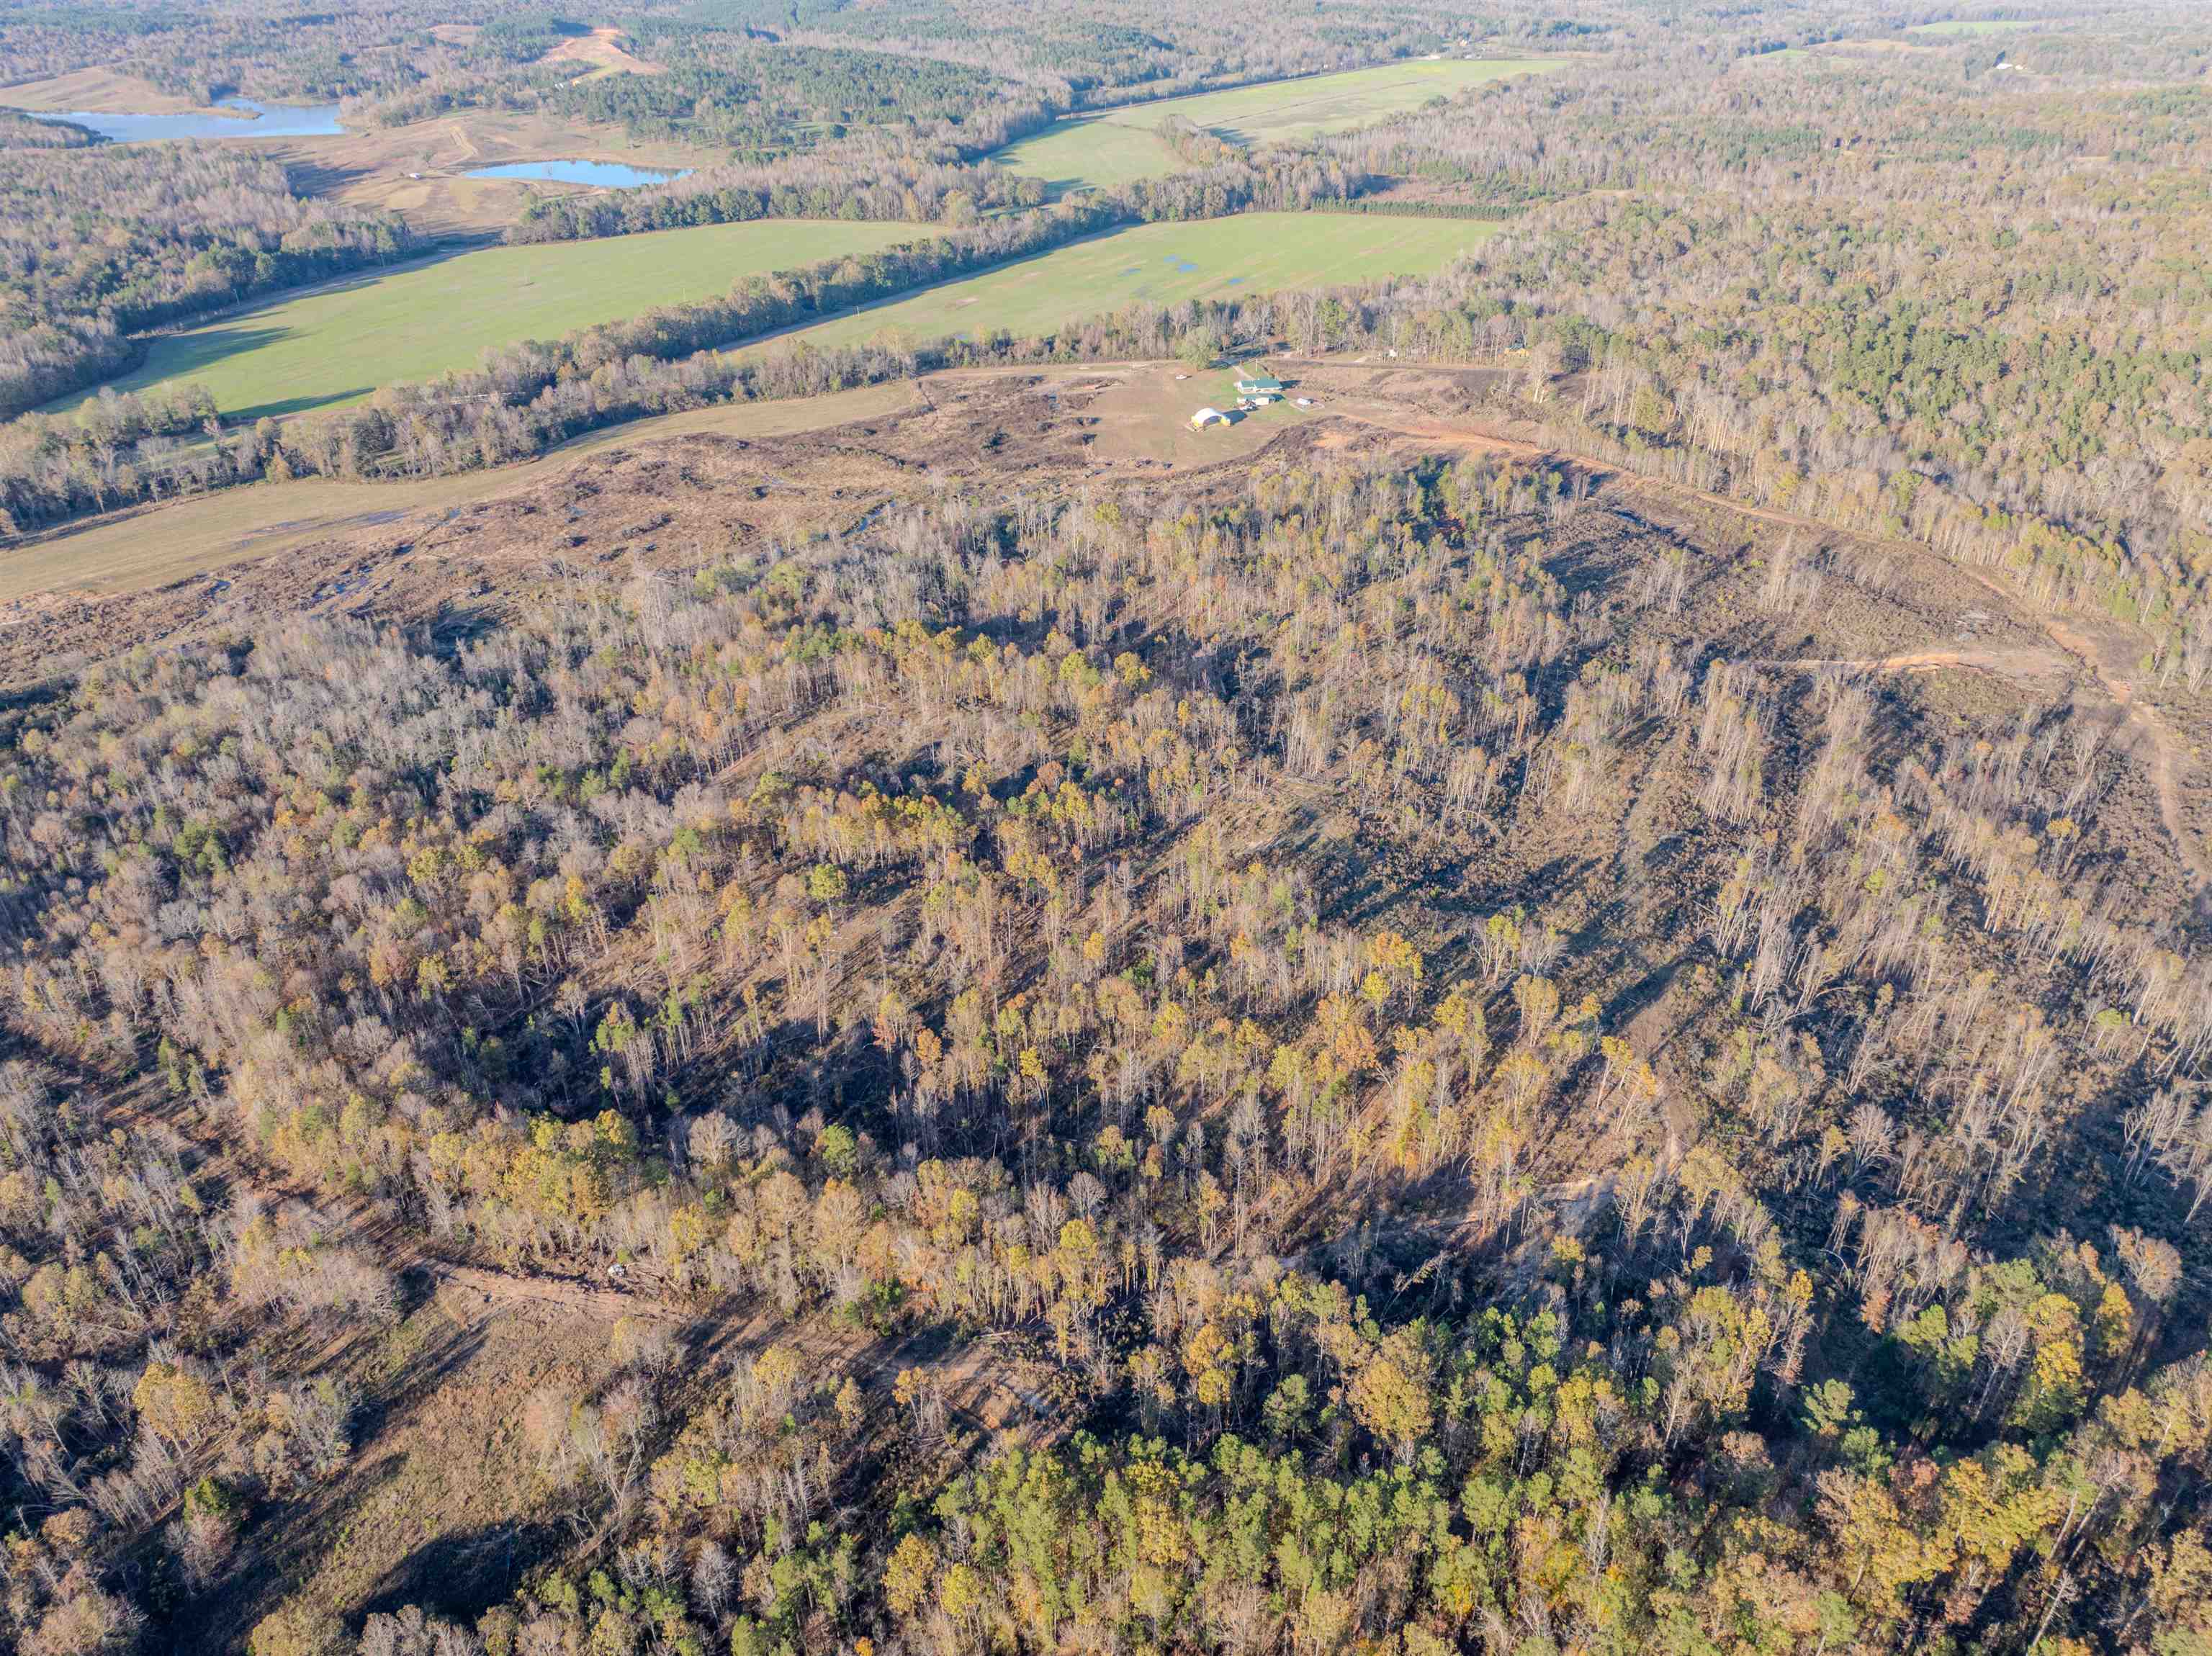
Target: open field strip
{"x": 100, "y": 90}
{"x": 149, "y": 547}
{"x": 339, "y": 342}
{"x": 1164, "y": 264}
{"x": 1117, "y": 145}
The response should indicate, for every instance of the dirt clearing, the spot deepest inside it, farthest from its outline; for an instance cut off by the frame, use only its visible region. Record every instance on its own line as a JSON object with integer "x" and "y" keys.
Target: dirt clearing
{"x": 148, "y": 547}
{"x": 606, "y": 51}
{"x": 420, "y": 170}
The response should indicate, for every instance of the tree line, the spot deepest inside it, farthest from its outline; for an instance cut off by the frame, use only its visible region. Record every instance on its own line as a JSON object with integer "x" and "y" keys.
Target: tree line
{"x": 97, "y": 243}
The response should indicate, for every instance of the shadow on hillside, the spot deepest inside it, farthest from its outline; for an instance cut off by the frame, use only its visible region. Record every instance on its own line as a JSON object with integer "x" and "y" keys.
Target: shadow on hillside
{"x": 461, "y": 1574}
{"x": 290, "y": 405}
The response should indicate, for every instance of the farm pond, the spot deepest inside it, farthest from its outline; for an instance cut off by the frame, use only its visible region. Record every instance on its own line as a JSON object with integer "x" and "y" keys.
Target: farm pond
{"x": 605, "y": 175}
{"x": 233, "y": 117}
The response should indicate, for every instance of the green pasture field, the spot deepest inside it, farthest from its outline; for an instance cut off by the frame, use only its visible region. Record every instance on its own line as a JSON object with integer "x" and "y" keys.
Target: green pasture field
{"x": 1164, "y": 264}
{"x": 1114, "y": 147}
{"x": 338, "y": 342}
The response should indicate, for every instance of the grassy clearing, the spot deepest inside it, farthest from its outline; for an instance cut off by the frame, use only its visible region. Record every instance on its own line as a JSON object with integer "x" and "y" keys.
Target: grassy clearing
{"x": 337, "y": 343}
{"x": 446, "y": 1501}
{"x": 1165, "y": 263}
{"x": 135, "y": 550}
{"x": 1093, "y": 152}
{"x": 1146, "y": 417}
{"x": 1100, "y": 151}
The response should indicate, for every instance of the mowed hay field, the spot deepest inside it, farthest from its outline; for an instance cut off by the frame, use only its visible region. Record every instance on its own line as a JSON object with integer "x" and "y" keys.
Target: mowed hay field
{"x": 338, "y": 342}
{"x": 1164, "y": 265}
{"x": 1099, "y": 151}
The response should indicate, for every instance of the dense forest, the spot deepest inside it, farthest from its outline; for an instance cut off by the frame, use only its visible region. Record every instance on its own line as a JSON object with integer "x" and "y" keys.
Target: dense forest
{"x": 1881, "y": 295}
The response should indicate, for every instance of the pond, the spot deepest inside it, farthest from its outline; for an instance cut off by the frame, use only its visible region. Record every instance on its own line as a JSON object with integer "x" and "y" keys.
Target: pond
{"x": 607, "y": 175}
{"x": 247, "y": 120}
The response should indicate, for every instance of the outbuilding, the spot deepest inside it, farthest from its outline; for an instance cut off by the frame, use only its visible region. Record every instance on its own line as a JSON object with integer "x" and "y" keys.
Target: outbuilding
{"x": 1208, "y": 417}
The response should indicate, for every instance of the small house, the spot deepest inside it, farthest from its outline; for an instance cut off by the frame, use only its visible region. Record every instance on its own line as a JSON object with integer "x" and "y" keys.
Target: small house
{"x": 1260, "y": 386}
{"x": 1206, "y": 418}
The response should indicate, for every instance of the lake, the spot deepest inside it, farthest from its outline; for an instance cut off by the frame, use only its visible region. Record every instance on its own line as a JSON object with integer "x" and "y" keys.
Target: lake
{"x": 253, "y": 120}
{"x": 607, "y": 175}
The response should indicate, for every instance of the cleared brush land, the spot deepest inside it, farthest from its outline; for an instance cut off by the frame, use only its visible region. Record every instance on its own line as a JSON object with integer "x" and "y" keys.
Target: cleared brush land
{"x": 134, "y": 551}
{"x": 1164, "y": 265}
{"x": 606, "y": 50}
{"x": 421, "y": 170}
{"x": 1100, "y": 151}
{"x": 339, "y": 343}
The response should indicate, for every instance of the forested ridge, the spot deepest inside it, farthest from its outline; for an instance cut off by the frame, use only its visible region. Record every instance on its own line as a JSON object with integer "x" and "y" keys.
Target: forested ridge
{"x": 1406, "y": 1288}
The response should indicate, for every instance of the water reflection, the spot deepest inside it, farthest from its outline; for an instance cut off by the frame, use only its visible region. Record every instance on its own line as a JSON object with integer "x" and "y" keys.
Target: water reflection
{"x": 607, "y": 175}
{"x": 247, "y": 120}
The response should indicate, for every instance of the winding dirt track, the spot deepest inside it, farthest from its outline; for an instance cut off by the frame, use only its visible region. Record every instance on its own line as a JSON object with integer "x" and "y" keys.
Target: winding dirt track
{"x": 2006, "y": 663}
{"x": 2168, "y": 755}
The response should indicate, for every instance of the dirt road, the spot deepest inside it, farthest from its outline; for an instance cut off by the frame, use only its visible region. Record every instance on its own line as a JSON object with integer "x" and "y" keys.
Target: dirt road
{"x": 2168, "y": 755}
